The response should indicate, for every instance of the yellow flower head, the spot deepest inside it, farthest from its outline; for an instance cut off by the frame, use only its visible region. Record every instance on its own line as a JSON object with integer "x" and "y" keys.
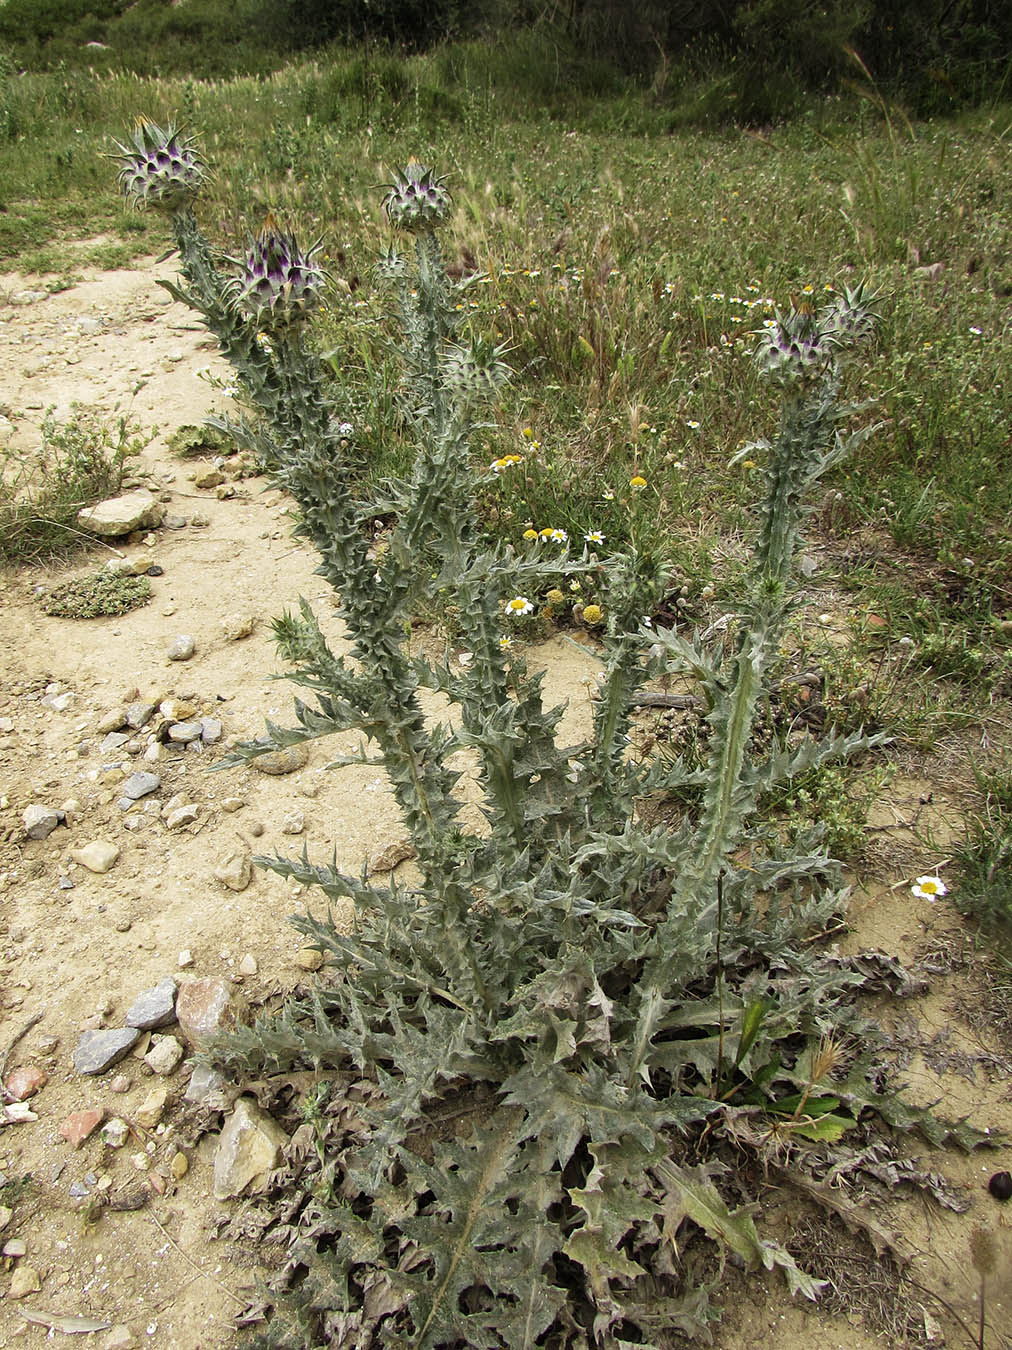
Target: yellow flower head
{"x": 555, "y": 597}
{"x": 530, "y": 534}
{"x": 638, "y": 483}
{"x": 592, "y": 615}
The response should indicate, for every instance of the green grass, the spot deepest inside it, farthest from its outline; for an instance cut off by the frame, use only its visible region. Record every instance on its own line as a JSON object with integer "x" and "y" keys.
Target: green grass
{"x": 624, "y": 262}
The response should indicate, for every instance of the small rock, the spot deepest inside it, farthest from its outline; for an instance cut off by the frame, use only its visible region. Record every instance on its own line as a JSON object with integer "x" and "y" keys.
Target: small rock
{"x": 25, "y": 1082}
{"x": 235, "y": 869}
{"x": 115, "y": 720}
{"x": 149, "y": 1113}
{"x": 125, "y": 567}
{"x": 80, "y": 1125}
{"x": 181, "y": 648}
{"x": 308, "y": 958}
{"x": 208, "y": 1088}
{"x": 179, "y": 1165}
{"x": 210, "y": 730}
{"x": 164, "y": 1056}
{"x": 199, "y": 520}
{"x": 238, "y": 626}
{"x": 6, "y": 1214}
{"x": 232, "y": 804}
{"x": 293, "y": 823}
{"x": 249, "y": 1147}
{"x": 114, "y": 740}
{"x": 120, "y": 1083}
{"x": 58, "y": 702}
{"x": 115, "y": 1133}
{"x": 120, "y": 1338}
{"x": 40, "y": 821}
{"x": 24, "y": 1281}
{"x": 99, "y": 1050}
{"x": 98, "y": 856}
{"x": 140, "y": 714}
{"x": 184, "y": 959}
{"x": 248, "y": 965}
{"x": 45, "y": 1045}
{"x": 205, "y": 1007}
{"x": 289, "y": 759}
{"x": 182, "y": 815}
{"x": 156, "y": 1007}
{"x": 138, "y": 785}
{"x": 386, "y": 859}
{"x": 182, "y": 732}
{"x": 121, "y": 515}
{"x": 208, "y": 478}
{"x": 14, "y": 1249}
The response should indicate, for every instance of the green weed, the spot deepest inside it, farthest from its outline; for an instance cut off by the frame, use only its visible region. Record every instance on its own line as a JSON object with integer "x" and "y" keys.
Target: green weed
{"x": 97, "y": 596}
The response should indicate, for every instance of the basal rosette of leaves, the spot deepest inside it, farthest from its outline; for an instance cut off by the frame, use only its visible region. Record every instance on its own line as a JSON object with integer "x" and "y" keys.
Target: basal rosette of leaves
{"x": 540, "y": 1064}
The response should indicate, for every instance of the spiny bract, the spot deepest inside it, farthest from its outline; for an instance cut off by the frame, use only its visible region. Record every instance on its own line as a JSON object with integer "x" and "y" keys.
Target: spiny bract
{"x": 474, "y": 372}
{"x": 278, "y": 284}
{"x": 416, "y": 201}
{"x": 161, "y": 167}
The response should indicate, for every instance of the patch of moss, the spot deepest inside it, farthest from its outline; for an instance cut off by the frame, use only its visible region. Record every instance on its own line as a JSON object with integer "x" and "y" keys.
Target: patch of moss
{"x": 97, "y": 596}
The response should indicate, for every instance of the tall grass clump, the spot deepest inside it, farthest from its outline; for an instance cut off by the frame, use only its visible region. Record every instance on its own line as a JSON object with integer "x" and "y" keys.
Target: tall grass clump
{"x": 529, "y": 1056}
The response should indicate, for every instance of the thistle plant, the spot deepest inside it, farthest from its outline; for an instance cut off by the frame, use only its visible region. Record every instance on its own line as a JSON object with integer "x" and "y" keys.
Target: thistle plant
{"x": 529, "y": 1054}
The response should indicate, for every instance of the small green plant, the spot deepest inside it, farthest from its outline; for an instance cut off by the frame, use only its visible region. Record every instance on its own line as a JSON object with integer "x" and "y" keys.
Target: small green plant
{"x": 533, "y": 1048}
{"x": 79, "y": 461}
{"x": 97, "y": 596}
{"x": 983, "y": 857}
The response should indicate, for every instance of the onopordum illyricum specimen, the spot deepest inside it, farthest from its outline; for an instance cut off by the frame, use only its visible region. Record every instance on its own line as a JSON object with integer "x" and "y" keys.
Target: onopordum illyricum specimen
{"x": 530, "y": 1056}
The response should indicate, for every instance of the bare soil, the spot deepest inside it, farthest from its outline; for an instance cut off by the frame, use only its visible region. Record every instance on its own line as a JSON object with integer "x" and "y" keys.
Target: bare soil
{"x": 77, "y": 947}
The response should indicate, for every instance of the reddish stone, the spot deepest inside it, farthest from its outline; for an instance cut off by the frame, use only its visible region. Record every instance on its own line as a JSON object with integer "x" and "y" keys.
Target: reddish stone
{"x": 205, "y": 1008}
{"x": 24, "y": 1083}
{"x": 77, "y": 1127}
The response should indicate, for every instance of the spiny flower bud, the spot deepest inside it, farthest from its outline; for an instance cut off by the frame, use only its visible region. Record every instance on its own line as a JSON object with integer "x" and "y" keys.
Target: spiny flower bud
{"x": 391, "y": 266}
{"x": 476, "y": 372}
{"x": 278, "y": 284}
{"x": 416, "y": 201}
{"x": 161, "y": 167}
{"x": 792, "y": 350}
{"x": 849, "y": 320}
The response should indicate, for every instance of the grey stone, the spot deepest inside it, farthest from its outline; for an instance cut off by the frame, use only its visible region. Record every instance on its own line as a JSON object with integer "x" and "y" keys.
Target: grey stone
{"x": 40, "y": 821}
{"x": 182, "y": 732}
{"x": 99, "y": 1050}
{"x": 249, "y": 1147}
{"x": 138, "y": 785}
{"x": 210, "y": 730}
{"x": 140, "y": 714}
{"x": 121, "y": 515}
{"x": 114, "y": 741}
{"x": 208, "y": 1088}
{"x": 115, "y": 1132}
{"x": 156, "y": 1007}
{"x": 181, "y": 648}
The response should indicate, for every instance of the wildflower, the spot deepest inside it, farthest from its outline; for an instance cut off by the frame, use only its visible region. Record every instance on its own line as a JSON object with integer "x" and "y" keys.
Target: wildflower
{"x": 928, "y": 888}
{"x": 505, "y": 643}
{"x": 518, "y": 607}
{"x": 530, "y": 534}
{"x": 692, "y": 424}
{"x": 505, "y": 462}
{"x": 608, "y": 495}
{"x": 592, "y": 614}
{"x": 554, "y": 535}
{"x": 575, "y": 586}
{"x": 637, "y": 483}
{"x": 593, "y": 537}
{"x": 527, "y": 434}
{"x": 807, "y": 290}
{"x": 555, "y": 597}
{"x": 975, "y": 330}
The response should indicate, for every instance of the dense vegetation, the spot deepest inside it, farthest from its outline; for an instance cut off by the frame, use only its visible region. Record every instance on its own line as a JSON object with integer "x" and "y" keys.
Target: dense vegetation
{"x": 751, "y": 60}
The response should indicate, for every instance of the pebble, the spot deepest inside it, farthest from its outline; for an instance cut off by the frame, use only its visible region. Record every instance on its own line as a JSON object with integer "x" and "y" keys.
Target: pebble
{"x": 40, "y": 821}
{"x": 207, "y": 1087}
{"x": 114, "y": 720}
{"x": 24, "y": 1281}
{"x": 115, "y": 1133}
{"x": 293, "y": 823}
{"x": 155, "y": 1007}
{"x": 6, "y": 1214}
{"x": 122, "y": 515}
{"x": 177, "y": 709}
{"x": 208, "y": 478}
{"x": 200, "y": 521}
{"x": 308, "y": 958}
{"x": 138, "y": 785}
{"x": 114, "y": 740}
{"x": 164, "y": 1056}
{"x": 25, "y": 1082}
{"x": 149, "y": 1113}
{"x": 182, "y": 732}
{"x": 232, "y": 804}
{"x": 120, "y": 1083}
{"x": 210, "y": 730}
{"x": 15, "y": 1248}
{"x": 181, "y": 648}
{"x": 98, "y": 856}
{"x": 58, "y": 702}
{"x": 249, "y": 1147}
{"x": 184, "y": 959}
{"x": 120, "y": 1338}
{"x": 80, "y": 1125}
{"x": 237, "y": 626}
{"x": 248, "y": 965}
{"x": 235, "y": 869}
{"x": 182, "y": 815}
{"x": 289, "y": 759}
{"x": 179, "y": 1165}
{"x": 140, "y": 714}
{"x": 97, "y": 1051}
